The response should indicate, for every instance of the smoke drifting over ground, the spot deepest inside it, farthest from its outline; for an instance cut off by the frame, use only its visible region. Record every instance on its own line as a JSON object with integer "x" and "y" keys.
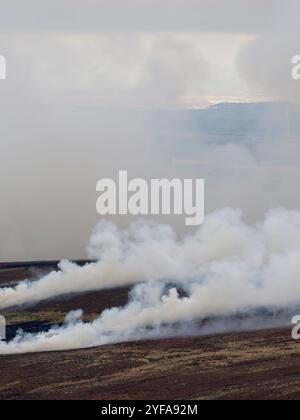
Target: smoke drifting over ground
{"x": 89, "y": 96}
{"x": 227, "y": 268}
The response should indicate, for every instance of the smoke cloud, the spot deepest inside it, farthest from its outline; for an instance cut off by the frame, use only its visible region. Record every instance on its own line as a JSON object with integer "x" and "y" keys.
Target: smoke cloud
{"x": 152, "y": 314}
{"x": 227, "y": 268}
{"x": 73, "y": 110}
{"x": 152, "y": 252}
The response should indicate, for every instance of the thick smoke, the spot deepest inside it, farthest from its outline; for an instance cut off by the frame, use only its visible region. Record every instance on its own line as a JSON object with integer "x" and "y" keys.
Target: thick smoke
{"x": 224, "y": 251}
{"x": 227, "y": 268}
{"x": 153, "y": 314}
{"x": 71, "y": 113}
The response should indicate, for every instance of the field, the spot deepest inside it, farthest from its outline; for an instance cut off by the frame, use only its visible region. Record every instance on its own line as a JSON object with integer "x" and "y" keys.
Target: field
{"x": 256, "y": 365}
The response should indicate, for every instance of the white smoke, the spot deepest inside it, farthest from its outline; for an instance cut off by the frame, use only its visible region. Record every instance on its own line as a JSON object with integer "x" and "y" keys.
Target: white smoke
{"x": 150, "y": 314}
{"x": 223, "y": 249}
{"x": 226, "y": 268}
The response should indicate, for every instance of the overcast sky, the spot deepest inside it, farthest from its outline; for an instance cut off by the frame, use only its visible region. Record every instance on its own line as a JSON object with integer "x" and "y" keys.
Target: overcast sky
{"x": 92, "y": 16}
{"x": 67, "y": 59}
{"x": 118, "y": 50}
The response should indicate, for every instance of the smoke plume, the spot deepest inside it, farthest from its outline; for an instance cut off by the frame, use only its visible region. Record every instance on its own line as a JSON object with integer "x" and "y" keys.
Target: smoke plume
{"x": 227, "y": 268}
{"x": 75, "y": 108}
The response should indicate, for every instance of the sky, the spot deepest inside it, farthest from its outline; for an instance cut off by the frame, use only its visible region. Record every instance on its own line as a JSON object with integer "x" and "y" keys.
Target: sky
{"x": 125, "y": 68}
{"x": 95, "y": 16}
{"x": 75, "y": 68}
{"x": 104, "y": 51}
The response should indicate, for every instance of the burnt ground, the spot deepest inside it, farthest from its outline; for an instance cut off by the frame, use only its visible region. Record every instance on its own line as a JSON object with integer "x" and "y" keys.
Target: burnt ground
{"x": 256, "y": 365}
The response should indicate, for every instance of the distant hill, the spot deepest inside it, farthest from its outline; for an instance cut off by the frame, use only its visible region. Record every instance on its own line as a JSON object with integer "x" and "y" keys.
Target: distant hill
{"x": 233, "y": 120}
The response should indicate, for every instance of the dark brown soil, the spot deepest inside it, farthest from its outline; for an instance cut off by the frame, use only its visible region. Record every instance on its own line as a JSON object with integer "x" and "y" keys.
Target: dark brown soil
{"x": 264, "y": 365}
{"x": 14, "y": 275}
